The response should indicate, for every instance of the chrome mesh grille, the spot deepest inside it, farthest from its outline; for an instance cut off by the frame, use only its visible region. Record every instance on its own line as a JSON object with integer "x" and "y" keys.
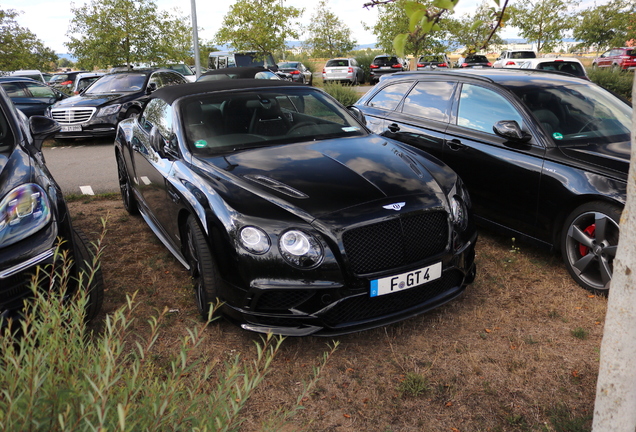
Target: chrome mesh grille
{"x": 72, "y": 116}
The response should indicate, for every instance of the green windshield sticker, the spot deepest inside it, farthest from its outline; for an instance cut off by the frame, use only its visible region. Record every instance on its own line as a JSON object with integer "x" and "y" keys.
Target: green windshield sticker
{"x": 557, "y": 136}
{"x": 201, "y": 144}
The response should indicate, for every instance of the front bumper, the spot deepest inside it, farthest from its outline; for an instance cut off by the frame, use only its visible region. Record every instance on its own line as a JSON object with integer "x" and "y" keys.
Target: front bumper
{"x": 324, "y": 308}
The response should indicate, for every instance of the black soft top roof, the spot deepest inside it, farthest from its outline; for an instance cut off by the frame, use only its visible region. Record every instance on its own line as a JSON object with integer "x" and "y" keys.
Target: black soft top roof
{"x": 172, "y": 93}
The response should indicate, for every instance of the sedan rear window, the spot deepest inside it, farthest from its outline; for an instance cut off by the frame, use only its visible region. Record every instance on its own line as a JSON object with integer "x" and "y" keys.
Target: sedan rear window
{"x": 337, "y": 63}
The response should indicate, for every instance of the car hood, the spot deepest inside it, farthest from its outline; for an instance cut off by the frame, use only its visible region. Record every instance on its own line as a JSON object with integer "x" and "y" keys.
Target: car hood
{"x": 614, "y": 156}
{"x": 89, "y": 100}
{"x": 326, "y": 176}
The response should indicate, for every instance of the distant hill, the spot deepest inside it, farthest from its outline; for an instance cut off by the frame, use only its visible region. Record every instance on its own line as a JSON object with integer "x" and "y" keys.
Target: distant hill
{"x": 67, "y": 57}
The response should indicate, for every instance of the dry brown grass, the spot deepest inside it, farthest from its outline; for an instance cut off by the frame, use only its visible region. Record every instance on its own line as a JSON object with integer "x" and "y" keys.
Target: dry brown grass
{"x": 518, "y": 352}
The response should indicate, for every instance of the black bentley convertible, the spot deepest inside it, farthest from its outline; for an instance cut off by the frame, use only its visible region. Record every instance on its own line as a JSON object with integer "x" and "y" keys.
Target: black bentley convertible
{"x": 287, "y": 209}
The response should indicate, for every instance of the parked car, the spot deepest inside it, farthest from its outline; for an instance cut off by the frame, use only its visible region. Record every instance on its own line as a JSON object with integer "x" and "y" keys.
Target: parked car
{"x": 114, "y": 97}
{"x": 36, "y": 75}
{"x": 512, "y": 59}
{"x": 233, "y": 182}
{"x": 570, "y": 65}
{"x": 227, "y": 59}
{"x": 299, "y": 72}
{"x": 64, "y": 81}
{"x": 544, "y": 156}
{"x": 617, "y": 58}
{"x": 345, "y": 70}
{"x": 433, "y": 61}
{"x": 386, "y": 64}
{"x": 184, "y": 70}
{"x": 257, "y": 72}
{"x": 30, "y": 96}
{"x": 33, "y": 215}
{"x": 84, "y": 80}
{"x": 475, "y": 61}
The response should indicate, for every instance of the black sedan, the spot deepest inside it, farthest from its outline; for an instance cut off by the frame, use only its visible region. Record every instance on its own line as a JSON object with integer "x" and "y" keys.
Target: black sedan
{"x": 544, "y": 155}
{"x": 115, "y": 96}
{"x": 282, "y": 205}
{"x": 33, "y": 215}
{"x": 30, "y": 96}
{"x": 298, "y": 71}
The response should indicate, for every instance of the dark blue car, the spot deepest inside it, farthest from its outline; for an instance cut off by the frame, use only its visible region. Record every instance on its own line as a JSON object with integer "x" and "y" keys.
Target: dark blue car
{"x": 30, "y": 96}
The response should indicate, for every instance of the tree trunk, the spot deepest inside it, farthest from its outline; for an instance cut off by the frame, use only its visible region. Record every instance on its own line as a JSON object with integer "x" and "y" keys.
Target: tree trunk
{"x": 615, "y": 407}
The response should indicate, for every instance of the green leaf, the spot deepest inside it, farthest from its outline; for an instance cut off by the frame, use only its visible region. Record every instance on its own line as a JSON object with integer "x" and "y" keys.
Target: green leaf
{"x": 476, "y": 25}
{"x": 415, "y": 18}
{"x": 399, "y": 43}
{"x": 444, "y": 4}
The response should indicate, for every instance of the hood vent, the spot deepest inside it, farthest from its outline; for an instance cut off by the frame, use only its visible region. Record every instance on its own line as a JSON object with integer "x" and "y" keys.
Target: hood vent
{"x": 277, "y": 186}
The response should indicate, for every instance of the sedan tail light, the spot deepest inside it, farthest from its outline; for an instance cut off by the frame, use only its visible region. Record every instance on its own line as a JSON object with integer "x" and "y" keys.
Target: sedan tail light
{"x": 294, "y": 72}
{"x": 324, "y": 70}
{"x": 66, "y": 83}
{"x": 397, "y": 65}
{"x": 442, "y": 65}
{"x": 374, "y": 66}
{"x": 420, "y": 65}
{"x": 510, "y": 63}
{"x": 489, "y": 64}
{"x": 350, "y": 70}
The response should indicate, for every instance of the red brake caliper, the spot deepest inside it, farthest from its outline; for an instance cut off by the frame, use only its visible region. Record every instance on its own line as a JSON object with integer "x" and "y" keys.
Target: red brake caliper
{"x": 591, "y": 232}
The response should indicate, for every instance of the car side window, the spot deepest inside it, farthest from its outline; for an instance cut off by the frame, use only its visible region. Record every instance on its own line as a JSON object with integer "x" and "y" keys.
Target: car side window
{"x": 480, "y": 108}
{"x": 390, "y": 96}
{"x": 40, "y": 90}
{"x": 14, "y": 90}
{"x": 430, "y": 99}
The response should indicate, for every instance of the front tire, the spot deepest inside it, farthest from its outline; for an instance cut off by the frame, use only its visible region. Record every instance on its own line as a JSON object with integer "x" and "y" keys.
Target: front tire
{"x": 127, "y": 194}
{"x": 203, "y": 268}
{"x": 589, "y": 241}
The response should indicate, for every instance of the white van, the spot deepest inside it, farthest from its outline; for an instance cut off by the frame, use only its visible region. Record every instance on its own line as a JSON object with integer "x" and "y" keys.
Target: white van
{"x": 33, "y": 74}
{"x": 225, "y": 59}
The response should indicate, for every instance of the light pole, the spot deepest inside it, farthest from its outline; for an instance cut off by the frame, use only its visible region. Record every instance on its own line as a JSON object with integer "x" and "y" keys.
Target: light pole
{"x": 195, "y": 38}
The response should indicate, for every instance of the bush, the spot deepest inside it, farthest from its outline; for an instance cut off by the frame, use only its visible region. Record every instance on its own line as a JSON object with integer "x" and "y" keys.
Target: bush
{"x": 614, "y": 81}
{"x": 364, "y": 59}
{"x": 346, "y": 95}
{"x": 56, "y": 375}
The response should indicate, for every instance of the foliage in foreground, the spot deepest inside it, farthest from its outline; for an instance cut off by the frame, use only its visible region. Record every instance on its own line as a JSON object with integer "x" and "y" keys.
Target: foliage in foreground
{"x": 615, "y": 81}
{"x": 346, "y": 95}
{"x": 59, "y": 376}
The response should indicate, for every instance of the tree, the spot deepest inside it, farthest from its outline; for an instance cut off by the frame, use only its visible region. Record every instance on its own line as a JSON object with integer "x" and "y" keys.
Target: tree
{"x": 259, "y": 25}
{"x": 472, "y": 31}
{"x": 401, "y": 19}
{"x": 607, "y": 25}
{"x": 328, "y": 36}
{"x": 543, "y": 22}
{"x": 105, "y": 33}
{"x": 20, "y": 48}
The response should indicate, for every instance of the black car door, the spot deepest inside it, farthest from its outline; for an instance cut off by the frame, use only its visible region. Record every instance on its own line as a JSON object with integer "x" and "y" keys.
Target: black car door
{"x": 383, "y": 103}
{"x": 422, "y": 117}
{"x": 153, "y": 166}
{"x": 502, "y": 176}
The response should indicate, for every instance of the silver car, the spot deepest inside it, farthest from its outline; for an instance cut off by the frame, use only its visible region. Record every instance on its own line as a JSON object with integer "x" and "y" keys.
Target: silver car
{"x": 345, "y": 70}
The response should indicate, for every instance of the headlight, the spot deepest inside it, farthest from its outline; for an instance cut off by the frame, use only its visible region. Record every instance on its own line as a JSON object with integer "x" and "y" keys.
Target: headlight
{"x": 23, "y": 211}
{"x": 254, "y": 240}
{"x": 300, "y": 249}
{"x": 459, "y": 212}
{"x": 109, "y": 110}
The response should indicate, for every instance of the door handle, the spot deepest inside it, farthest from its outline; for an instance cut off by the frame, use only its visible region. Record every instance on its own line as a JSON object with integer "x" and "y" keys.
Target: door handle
{"x": 393, "y": 128}
{"x": 455, "y": 144}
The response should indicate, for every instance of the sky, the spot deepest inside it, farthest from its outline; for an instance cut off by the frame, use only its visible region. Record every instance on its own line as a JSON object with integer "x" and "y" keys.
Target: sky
{"x": 49, "y": 19}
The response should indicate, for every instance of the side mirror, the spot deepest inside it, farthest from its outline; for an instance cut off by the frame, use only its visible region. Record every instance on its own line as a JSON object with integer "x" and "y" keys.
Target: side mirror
{"x": 357, "y": 114}
{"x": 42, "y": 128}
{"x": 510, "y": 129}
{"x": 156, "y": 140}
{"x": 151, "y": 87}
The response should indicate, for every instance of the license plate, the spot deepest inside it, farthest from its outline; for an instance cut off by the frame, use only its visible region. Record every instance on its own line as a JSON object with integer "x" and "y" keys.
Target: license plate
{"x": 406, "y": 280}
{"x": 71, "y": 129}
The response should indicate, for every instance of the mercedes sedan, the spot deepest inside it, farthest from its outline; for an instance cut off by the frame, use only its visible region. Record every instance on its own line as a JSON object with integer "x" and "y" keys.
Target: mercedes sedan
{"x": 544, "y": 155}
{"x": 282, "y": 205}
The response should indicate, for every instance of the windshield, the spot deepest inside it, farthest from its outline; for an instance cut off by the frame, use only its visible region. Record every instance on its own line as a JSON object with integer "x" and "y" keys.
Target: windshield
{"x": 578, "y": 114}
{"x": 222, "y": 123}
{"x": 182, "y": 69}
{"x": 118, "y": 83}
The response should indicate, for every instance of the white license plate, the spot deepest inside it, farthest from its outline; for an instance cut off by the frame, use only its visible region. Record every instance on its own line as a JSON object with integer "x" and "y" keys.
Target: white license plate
{"x": 71, "y": 129}
{"x": 406, "y": 280}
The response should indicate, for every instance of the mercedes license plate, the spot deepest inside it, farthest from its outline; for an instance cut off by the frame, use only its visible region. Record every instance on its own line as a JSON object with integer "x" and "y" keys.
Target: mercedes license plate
{"x": 71, "y": 128}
